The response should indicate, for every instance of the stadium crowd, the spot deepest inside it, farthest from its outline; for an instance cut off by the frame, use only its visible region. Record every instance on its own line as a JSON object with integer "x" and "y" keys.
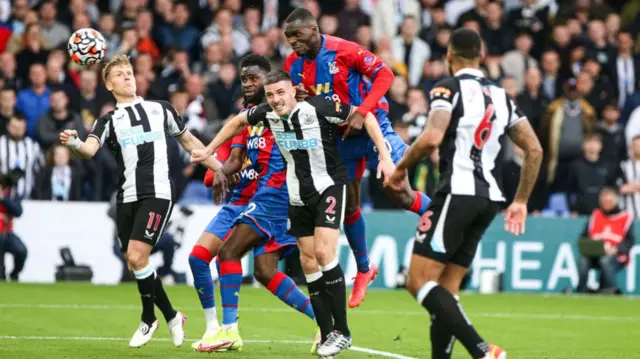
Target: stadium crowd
{"x": 572, "y": 67}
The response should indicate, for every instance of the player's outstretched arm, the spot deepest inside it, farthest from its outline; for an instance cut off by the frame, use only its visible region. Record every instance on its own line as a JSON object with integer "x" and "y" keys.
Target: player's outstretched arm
{"x": 373, "y": 130}
{"x": 523, "y": 135}
{"x": 85, "y": 149}
{"x": 190, "y": 143}
{"x": 230, "y": 129}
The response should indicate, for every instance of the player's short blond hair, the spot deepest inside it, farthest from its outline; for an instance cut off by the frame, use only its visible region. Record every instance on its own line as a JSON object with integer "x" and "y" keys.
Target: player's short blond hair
{"x": 115, "y": 61}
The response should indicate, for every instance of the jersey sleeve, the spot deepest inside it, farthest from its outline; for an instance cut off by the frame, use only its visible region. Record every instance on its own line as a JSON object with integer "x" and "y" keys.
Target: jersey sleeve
{"x": 365, "y": 62}
{"x": 444, "y": 95}
{"x": 258, "y": 114}
{"x": 223, "y": 152}
{"x": 241, "y": 139}
{"x": 100, "y": 129}
{"x": 175, "y": 123}
{"x": 515, "y": 114}
{"x": 333, "y": 111}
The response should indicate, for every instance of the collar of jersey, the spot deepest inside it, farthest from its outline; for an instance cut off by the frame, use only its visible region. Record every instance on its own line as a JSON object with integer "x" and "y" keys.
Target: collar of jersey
{"x": 470, "y": 71}
{"x": 322, "y": 47}
{"x": 138, "y": 99}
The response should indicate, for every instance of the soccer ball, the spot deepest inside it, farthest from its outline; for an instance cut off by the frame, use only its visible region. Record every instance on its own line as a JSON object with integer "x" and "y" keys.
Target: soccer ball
{"x": 87, "y": 47}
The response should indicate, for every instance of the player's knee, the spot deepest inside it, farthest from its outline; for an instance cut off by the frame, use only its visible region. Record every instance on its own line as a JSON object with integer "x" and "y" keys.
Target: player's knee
{"x": 308, "y": 262}
{"x": 264, "y": 274}
{"x": 324, "y": 254}
{"x": 229, "y": 252}
{"x": 136, "y": 259}
{"x": 414, "y": 284}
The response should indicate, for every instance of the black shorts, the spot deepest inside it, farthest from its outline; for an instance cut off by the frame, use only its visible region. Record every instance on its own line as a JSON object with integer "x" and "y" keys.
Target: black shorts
{"x": 143, "y": 220}
{"x": 326, "y": 211}
{"x": 452, "y": 228}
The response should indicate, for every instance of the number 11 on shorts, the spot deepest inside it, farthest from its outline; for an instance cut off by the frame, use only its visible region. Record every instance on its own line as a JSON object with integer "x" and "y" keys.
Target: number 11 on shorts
{"x": 151, "y": 223}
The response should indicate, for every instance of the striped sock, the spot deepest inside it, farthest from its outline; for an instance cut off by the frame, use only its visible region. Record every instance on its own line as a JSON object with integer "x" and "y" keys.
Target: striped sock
{"x": 420, "y": 203}
{"x": 199, "y": 261}
{"x": 354, "y": 228}
{"x": 284, "y": 288}
{"x": 230, "y": 281}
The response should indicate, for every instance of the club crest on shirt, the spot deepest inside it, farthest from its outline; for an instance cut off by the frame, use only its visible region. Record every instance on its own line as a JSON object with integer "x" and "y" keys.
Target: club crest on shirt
{"x": 333, "y": 69}
{"x": 306, "y": 119}
{"x": 368, "y": 60}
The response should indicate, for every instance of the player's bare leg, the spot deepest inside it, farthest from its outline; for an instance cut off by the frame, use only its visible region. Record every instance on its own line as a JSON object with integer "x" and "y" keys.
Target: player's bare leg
{"x": 326, "y": 242}
{"x": 265, "y": 269}
{"x": 354, "y": 228}
{"x": 423, "y": 284}
{"x": 407, "y": 198}
{"x": 239, "y": 242}
{"x": 202, "y": 253}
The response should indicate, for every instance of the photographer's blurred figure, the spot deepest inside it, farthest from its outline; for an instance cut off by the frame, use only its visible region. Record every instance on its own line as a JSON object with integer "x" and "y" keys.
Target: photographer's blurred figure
{"x": 605, "y": 242}
{"x": 10, "y": 208}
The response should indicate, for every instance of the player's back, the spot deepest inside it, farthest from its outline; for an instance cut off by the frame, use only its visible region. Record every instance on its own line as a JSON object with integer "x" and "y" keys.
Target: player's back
{"x": 471, "y": 152}
{"x": 339, "y": 72}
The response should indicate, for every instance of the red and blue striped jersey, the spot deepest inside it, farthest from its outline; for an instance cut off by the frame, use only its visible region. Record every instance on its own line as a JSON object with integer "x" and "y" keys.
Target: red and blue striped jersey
{"x": 265, "y": 156}
{"x": 338, "y": 72}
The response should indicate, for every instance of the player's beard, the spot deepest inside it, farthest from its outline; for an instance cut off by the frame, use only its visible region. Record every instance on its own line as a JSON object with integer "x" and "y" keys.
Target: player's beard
{"x": 256, "y": 99}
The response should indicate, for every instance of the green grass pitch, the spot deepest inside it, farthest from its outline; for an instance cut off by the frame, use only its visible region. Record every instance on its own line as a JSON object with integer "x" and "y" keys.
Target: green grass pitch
{"x": 85, "y": 321}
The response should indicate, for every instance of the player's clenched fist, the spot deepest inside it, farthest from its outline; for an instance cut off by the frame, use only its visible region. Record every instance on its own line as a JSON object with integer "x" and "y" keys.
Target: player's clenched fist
{"x": 67, "y": 136}
{"x": 200, "y": 154}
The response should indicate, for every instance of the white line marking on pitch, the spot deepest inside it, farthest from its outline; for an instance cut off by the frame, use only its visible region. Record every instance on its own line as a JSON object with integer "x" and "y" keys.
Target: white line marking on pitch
{"x": 351, "y": 312}
{"x": 354, "y": 348}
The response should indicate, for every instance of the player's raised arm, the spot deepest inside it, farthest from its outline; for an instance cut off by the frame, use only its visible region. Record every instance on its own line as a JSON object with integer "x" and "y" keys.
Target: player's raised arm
{"x": 230, "y": 129}
{"x": 88, "y": 148}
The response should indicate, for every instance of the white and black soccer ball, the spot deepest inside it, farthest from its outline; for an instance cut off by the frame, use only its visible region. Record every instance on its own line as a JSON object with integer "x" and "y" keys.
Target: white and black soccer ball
{"x": 87, "y": 47}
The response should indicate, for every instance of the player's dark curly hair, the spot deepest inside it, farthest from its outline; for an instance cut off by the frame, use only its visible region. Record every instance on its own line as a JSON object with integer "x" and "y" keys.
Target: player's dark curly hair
{"x": 301, "y": 14}
{"x": 256, "y": 60}
{"x": 466, "y": 43}
{"x": 276, "y": 76}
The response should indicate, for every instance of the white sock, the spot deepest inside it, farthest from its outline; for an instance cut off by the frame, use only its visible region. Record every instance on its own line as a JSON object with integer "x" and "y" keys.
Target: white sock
{"x": 211, "y": 317}
{"x": 233, "y": 326}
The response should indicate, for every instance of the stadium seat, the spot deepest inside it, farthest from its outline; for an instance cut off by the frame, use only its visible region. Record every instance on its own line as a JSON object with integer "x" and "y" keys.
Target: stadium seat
{"x": 195, "y": 193}
{"x": 558, "y": 205}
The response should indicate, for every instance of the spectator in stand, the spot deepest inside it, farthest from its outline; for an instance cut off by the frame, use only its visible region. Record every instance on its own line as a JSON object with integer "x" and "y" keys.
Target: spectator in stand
{"x": 364, "y": 37}
{"x": 439, "y": 46}
{"x": 209, "y": 67}
{"x": 614, "y": 229}
{"x": 173, "y": 75}
{"x": 33, "y": 102}
{"x": 551, "y": 81}
{"x": 58, "y": 118}
{"x": 10, "y": 208}
{"x": 614, "y": 148}
{"x": 478, "y": 14}
{"x": 495, "y": 33}
{"x": 223, "y": 24}
{"x": 434, "y": 71}
{"x": 564, "y": 125}
{"x": 410, "y": 49}
{"x": 201, "y": 115}
{"x": 531, "y": 19}
{"x": 180, "y": 34}
{"x": 90, "y": 99}
{"x": 57, "y": 76}
{"x": 8, "y": 71}
{"x": 388, "y": 16}
{"x": 601, "y": 93}
{"x": 397, "y": 99}
{"x": 59, "y": 181}
{"x": 532, "y": 101}
{"x": 625, "y": 68}
{"x": 416, "y": 117}
{"x": 33, "y": 50}
{"x": 126, "y": 18}
{"x": 55, "y": 32}
{"x": 516, "y": 62}
{"x": 492, "y": 66}
{"x": 598, "y": 47}
{"x": 560, "y": 40}
{"x": 251, "y": 22}
{"x": 350, "y": 18}
{"x": 7, "y": 107}
{"x": 629, "y": 179}
{"x": 24, "y": 153}
{"x": 107, "y": 28}
{"x": 146, "y": 44}
{"x": 587, "y": 176}
{"x": 225, "y": 90}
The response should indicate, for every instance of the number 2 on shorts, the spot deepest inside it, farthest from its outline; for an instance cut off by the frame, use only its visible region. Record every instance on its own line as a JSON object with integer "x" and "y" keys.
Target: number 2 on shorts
{"x": 332, "y": 205}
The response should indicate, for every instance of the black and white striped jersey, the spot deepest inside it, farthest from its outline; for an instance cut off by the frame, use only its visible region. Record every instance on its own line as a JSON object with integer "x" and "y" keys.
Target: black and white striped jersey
{"x": 136, "y": 133}
{"x": 629, "y": 172}
{"x": 25, "y": 154}
{"x": 472, "y": 148}
{"x": 307, "y": 141}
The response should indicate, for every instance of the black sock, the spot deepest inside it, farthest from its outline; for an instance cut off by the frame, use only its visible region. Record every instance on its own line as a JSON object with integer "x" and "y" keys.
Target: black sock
{"x": 439, "y": 302}
{"x": 336, "y": 287}
{"x": 441, "y": 339}
{"x": 145, "y": 279}
{"x": 162, "y": 300}
{"x": 315, "y": 284}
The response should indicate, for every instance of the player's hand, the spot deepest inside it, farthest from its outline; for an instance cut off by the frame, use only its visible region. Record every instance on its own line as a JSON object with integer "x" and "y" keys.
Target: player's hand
{"x": 235, "y": 178}
{"x": 355, "y": 122}
{"x": 515, "y": 218}
{"x": 67, "y": 135}
{"x": 301, "y": 93}
{"x": 200, "y": 154}
{"x": 386, "y": 169}
{"x": 220, "y": 187}
{"x": 396, "y": 179}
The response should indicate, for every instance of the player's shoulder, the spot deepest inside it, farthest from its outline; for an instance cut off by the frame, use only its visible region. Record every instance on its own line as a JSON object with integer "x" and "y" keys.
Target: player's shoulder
{"x": 106, "y": 117}
{"x": 164, "y": 104}
{"x": 317, "y": 101}
{"x": 258, "y": 110}
{"x": 445, "y": 88}
{"x": 293, "y": 57}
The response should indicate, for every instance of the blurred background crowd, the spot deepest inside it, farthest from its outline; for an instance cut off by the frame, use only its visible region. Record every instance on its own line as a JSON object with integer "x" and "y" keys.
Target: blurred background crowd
{"x": 572, "y": 67}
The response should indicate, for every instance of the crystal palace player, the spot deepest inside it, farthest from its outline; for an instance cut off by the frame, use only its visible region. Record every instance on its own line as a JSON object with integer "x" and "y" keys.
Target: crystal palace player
{"x": 316, "y": 179}
{"x": 136, "y": 132}
{"x": 335, "y": 68}
{"x": 258, "y": 143}
{"x": 468, "y": 121}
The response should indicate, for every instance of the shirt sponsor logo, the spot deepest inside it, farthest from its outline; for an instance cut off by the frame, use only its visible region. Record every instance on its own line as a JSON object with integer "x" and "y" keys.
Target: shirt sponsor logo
{"x": 136, "y": 136}
{"x": 288, "y": 141}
